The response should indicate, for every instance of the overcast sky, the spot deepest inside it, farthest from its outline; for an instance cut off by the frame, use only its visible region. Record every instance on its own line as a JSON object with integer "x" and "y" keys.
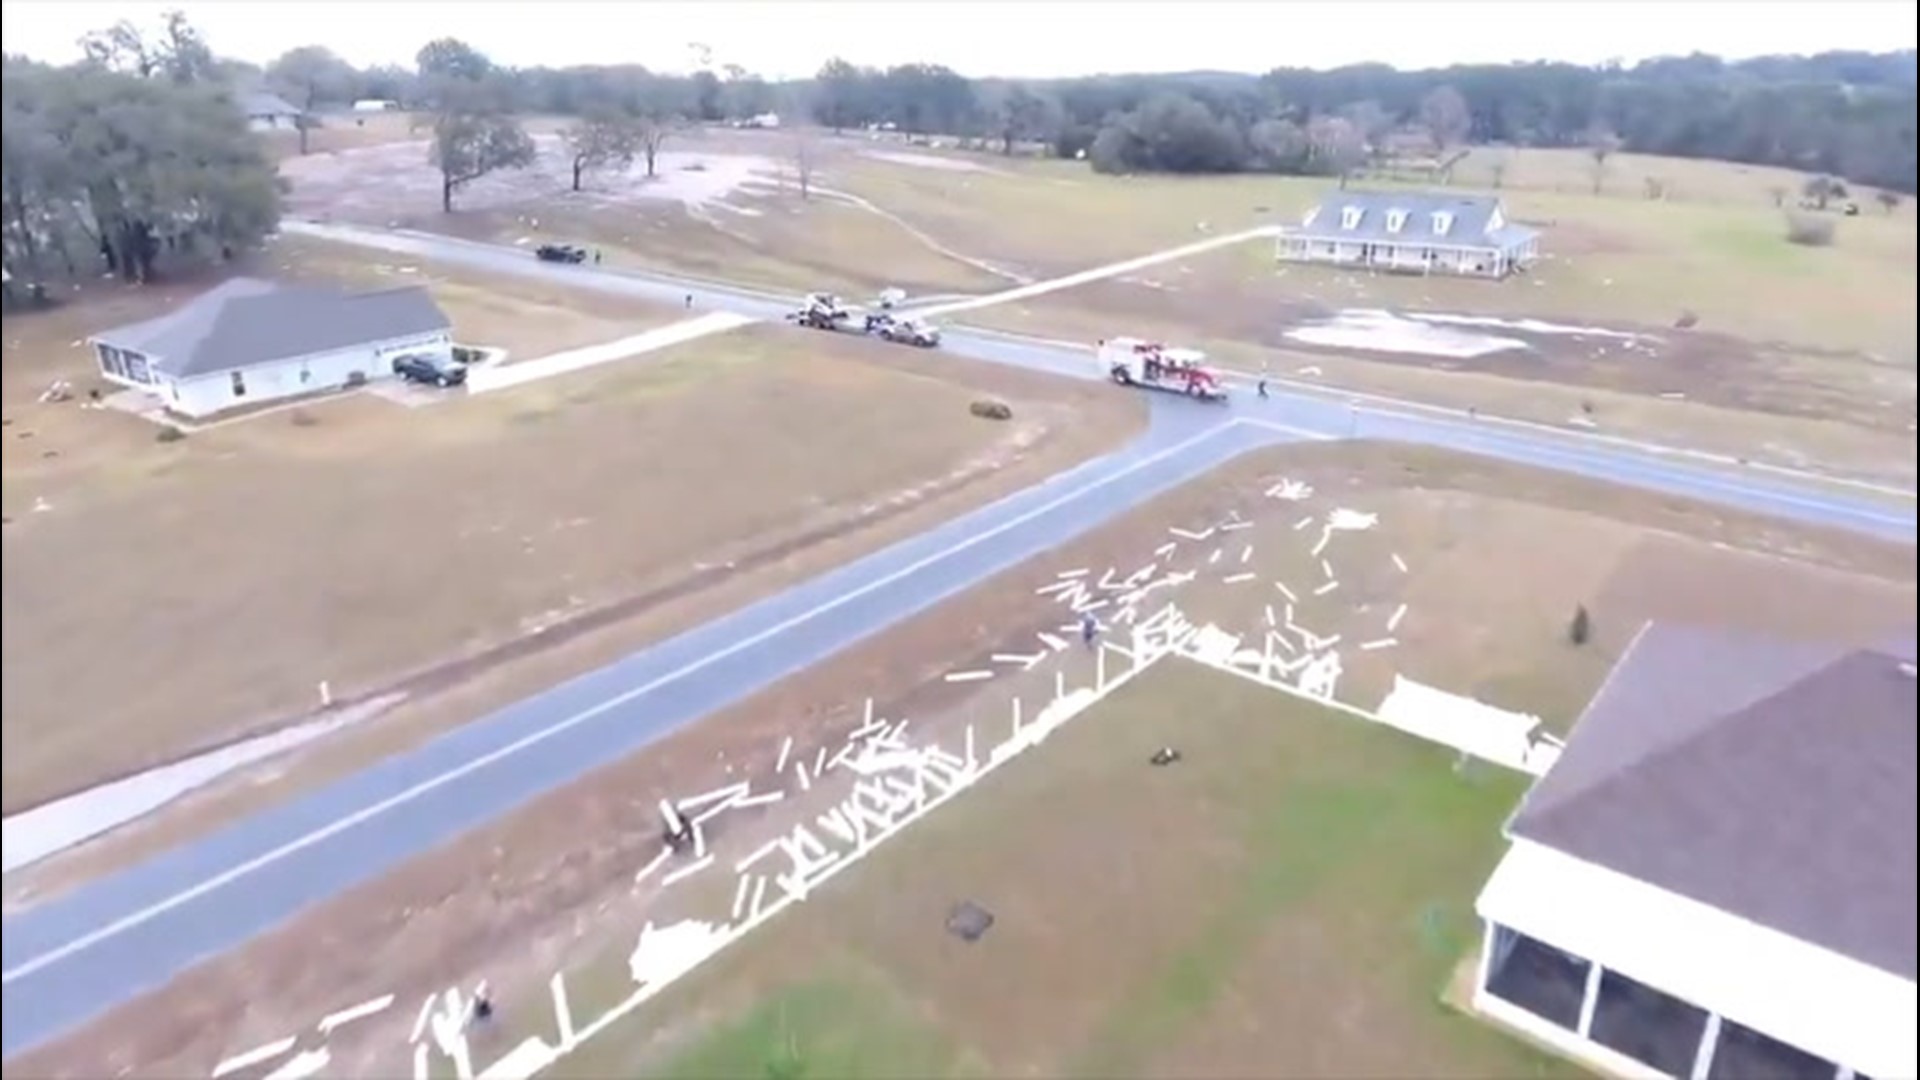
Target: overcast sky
{"x": 998, "y": 37}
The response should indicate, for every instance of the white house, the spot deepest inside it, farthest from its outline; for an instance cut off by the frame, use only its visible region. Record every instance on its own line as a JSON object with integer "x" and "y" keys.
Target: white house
{"x": 1716, "y": 880}
{"x": 269, "y": 112}
{"x": 250, "y": 341}
{"x": 1411, "y": 232}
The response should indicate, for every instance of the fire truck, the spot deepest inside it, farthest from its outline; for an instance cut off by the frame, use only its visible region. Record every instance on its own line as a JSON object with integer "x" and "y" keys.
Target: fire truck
{"x": 1149, "y": 365}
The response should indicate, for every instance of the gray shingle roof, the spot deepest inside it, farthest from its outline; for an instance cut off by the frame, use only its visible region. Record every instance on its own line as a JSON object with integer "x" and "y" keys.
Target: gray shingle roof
{"x": 1774, "y": 780}
{"x": 1471, "y": 217}
{"x": 266, "y": 103}
{"x": 245, "y": 322}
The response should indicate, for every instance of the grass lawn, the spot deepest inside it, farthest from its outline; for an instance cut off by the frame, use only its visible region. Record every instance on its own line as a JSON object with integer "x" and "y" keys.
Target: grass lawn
{"x": 1288, "y": 900}
{"x": 361, "y": 542}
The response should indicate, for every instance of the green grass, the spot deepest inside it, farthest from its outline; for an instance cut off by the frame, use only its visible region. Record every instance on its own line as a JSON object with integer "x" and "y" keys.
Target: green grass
{"x": 801, "y": 1032}
{"x": 1134, "y": 906}
{"x": 1717, "y": 245}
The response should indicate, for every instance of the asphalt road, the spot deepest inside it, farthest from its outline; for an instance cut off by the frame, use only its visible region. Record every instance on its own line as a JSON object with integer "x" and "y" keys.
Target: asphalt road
{"x": 72, "y": 957}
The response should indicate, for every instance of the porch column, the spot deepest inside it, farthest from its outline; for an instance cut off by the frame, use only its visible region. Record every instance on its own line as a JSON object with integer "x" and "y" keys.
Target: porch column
{"x": 1709, "y": 1042}
{"x": 1486, "y": 957}
{"x": 1590, "y": 998}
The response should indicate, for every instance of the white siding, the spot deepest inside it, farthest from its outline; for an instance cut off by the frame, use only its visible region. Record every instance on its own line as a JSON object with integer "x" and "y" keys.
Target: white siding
{"x": 203, "y": 395}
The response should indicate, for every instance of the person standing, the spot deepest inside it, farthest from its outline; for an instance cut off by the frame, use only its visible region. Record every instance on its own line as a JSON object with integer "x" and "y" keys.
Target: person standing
{"x": 1089, "y": 629}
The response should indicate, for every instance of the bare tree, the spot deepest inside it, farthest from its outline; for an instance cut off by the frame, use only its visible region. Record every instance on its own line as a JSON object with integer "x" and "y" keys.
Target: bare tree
{"x": 1499, "y": 160}
{"x": 1336, "y": 145}
{"x": 602, "y": 140}
{"x": 1447, "y": 118}
{"x": 805, "y": 158}
{"x": 1602, "y": 144}
{"x": 1888, "y": 200}
{"x": 309, "y": 75}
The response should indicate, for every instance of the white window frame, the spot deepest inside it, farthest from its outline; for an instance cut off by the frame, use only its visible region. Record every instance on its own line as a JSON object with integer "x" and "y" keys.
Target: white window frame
{"x": 1395, "y": 220}
{"x": 1350, "y": 217}
{"x": 1442, "y": 223}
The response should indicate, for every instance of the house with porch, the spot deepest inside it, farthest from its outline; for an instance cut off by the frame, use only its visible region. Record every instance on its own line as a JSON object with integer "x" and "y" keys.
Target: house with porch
{"x": 249, "y": 341}
{"x": 1411, "y": 232}
{"x": 1716, "y": 880}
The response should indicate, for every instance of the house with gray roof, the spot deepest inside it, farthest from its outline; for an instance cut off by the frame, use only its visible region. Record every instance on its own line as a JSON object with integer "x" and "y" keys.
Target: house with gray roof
{"x": 250, "y": 341}
{"x": 268, "y": 111}
{"x": 1716, "y": 880}
{"x": 1411, "y": 232}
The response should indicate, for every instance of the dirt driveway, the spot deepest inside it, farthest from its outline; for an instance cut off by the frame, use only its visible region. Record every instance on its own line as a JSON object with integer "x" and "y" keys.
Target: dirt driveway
{"x": 552, "y": 886}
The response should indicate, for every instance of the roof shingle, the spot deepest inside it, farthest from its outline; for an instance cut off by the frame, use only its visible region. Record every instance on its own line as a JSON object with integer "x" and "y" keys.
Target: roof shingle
{"x": 246, "y": 321}
{"x": 1774, "y": 780}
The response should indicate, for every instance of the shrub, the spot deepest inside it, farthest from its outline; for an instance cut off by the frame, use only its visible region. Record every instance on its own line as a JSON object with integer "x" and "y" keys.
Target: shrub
{"x": 988, "y": 409}
{"x": 466, "y": 354}
{"x": 1809, "y": 231}
{"x": 169, "y": 434}
{"x": 303, "y": 418}
{"x": 356, "y": 378}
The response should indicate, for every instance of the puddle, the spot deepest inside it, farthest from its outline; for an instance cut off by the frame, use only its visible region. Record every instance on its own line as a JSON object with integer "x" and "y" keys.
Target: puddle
{"x": 1382, "y": 331}
{"x": 1459, "y": 337}
{"x": 32, "y": 835}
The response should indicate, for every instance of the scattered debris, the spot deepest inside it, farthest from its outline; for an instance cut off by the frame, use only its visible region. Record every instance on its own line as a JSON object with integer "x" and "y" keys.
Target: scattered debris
{"x": 1166, "y": 755}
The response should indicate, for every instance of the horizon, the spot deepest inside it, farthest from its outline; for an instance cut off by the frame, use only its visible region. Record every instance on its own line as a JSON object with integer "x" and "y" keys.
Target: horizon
{"x": 1135, "y": 37}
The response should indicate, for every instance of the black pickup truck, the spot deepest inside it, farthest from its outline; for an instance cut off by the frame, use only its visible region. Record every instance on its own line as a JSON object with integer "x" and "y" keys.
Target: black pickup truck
{"x": 429, "y": 369}
{"x": 560, "y": 253}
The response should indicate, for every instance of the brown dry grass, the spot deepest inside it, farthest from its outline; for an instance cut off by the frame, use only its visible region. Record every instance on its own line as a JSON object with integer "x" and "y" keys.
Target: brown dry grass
{"x": 368, "y": 541}
{"x": 1490, "y": 603}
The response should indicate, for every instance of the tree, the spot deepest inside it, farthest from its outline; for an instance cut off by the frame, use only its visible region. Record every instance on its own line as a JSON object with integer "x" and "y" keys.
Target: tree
{"x": 134, "y": 167}
{"x": 1499, "y": 160}
{"x": 1335, "y": 147}
{"x": 473, "y": 132}
{"x": 1371, "y": 124}
{"x": 1888, "y": 200}
{"x": 840, "y": 95}
{"x": 602, "y": 140}
{"x": 1168, "y": 133}
{"x": 451, "y": 58}
{"x": 308, "y": 76}
{"x": 1822, "y": 190}
{"x": 1602, "y": 143}
{"x": 1278, "y": 146}
{"x": 744, "y": 95}
{"x": 1444, "y": 113}
{"x": 805, "y": 158}
{"x": 177, "y": 52}
{"x": 1018, "y": 114}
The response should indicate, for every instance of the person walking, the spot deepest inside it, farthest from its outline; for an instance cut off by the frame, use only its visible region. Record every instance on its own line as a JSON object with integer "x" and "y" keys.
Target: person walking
{"x": 1089, "y": 629}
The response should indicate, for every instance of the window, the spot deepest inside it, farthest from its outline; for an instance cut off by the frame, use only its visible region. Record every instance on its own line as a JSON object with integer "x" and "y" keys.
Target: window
{"x": 1442, "y": 222}
{"x": 1350, "y": 217}
{"x": 239, "y": 385}
{"x": 1395, "y": 219}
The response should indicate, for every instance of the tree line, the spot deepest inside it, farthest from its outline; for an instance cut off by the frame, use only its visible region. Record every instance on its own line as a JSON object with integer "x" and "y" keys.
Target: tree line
{"x": 139, "y": 153}
{"x": 1846, "y": 114}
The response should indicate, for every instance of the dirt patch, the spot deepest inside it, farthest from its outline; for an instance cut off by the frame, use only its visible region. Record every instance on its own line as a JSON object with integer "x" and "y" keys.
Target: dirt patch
{"x": 529, "y": 880}
{"x": 392, "y": 183}
{"x": 929, "y": 161}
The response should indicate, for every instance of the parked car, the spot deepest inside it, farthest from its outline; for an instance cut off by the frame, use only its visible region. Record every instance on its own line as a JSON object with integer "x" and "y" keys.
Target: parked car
{"x": 560, "y": 253}
{"x": 429, "y": 369}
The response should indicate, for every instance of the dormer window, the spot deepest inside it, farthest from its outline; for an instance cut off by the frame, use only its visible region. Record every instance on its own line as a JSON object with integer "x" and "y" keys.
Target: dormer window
{"x": 1442, "y": 222}
{"x": 1395, "y": 219}
{"x": 1496, "y": 221}
{"x": 1350, "y": 217}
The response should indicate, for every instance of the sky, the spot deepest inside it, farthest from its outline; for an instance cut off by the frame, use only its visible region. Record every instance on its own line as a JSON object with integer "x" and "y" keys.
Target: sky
{"x": 1031, "y": 38}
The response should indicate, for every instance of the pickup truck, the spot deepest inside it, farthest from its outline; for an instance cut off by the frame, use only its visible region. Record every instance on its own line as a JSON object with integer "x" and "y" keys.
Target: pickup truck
{"x": 428, "y": 369}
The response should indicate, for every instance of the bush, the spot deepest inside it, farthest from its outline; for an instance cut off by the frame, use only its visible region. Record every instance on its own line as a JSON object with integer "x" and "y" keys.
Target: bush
{"x": 466, "y": 354}
{"x": 1809, "y": 231}
{"x": 356, "y": 379}
{"x": 169, "y": 434}
{"x": 303, "y": 418}
{"x": 987, "y": 409}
